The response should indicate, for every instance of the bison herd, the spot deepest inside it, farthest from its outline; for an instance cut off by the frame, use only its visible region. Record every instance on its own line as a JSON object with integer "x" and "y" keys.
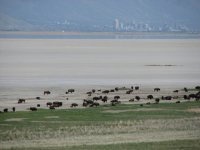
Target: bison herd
{"x": 95, "y": 97}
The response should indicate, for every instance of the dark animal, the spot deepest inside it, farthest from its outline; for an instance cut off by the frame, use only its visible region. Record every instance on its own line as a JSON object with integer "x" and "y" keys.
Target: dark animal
{"x": 166, "y": 98}
{"x": 175, "y": 91}
{"x": 93, "y": 90}
{"x": 21, "y": 100}
{"x": 99, "y": 90}
{"x": 51, "y": 107}
{"x": 94, "y": 104}
{"x": 47, "y": 92}
{"x": 132, "y": 87}
{"x": 131, "y": 100}
{"x": 106, "y": 91}
{"x": 89, "y": 93}
{"x": 185, "y": 89}
{"x": 13, "y": 109}
{"x": 137, "y": 88}
{"x": 178, "y": 102}
{"x": 192, "y": 96}
{"x": 38, "y": 98}
{"x": 71, "y": 90}
{"x": 96, "y": 98}
{"x": 186, "y": 97}
{"x": 129, "y": 91}
{"x": 74, "y": 105}
{"x": 197, "y": 87}
{"x": 33, "y": 108}
{"x": 175, "y": 97}
{"x": 137, "y": 98}
{"x": 148, "y": 103}
{"x": 117, "y": 97}
{"x": 88, "y": 101}
{"x": 156, "y": 89}
{"x": 105, "y": 99}
{"x": 5, "y": 110}
{"x": 157, "y": 100}
{"x": 57, "y": 104}
{"x": 116, "y": 89}
{"x": 115, "y": 101}
{"x": 66, "y": 92}
{"x": 150, "y": 97}
{"x": 49, "y": 103}
{"x": 85, "y": 104}
{"x": 141, "y": 105}
{"x": 38, "y": 105}
{"x": 112, "y": 90}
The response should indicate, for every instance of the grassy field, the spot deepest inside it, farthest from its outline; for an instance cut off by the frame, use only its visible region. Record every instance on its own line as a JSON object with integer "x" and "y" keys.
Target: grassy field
{"x": 155, "y": 126}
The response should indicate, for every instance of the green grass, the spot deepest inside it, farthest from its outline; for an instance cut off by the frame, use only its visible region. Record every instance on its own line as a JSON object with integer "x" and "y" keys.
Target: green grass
{"x": 97, "y": 121}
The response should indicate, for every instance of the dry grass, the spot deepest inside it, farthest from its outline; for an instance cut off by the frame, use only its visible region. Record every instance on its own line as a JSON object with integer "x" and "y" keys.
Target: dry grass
{"x": 104, "y": 133}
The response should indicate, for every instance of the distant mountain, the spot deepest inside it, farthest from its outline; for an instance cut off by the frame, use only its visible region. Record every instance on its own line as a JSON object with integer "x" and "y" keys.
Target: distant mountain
{"x": 99, "y": 15}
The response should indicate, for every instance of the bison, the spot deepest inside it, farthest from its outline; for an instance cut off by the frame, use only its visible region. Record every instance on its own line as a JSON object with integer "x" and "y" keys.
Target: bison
{"x": 156, "y": 89}
{"x": 74, "y": 105}
{"x": 47, "y": 92}
{"x": 150, "y": 97}
{"x": 106, "y": 91}
{"x": 33, "y": 108}
{"x": 71, "y": 90}
{"x": 21, "y": 100}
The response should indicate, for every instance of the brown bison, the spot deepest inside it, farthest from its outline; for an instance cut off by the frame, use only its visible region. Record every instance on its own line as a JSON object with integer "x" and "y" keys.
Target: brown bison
{"x": 156, "y": 89}
{"x": 71, "y": 90}
{"x": 74, "y": 105}
{"x": 33, "y": 108}
{"x": 21, "y": 100}
{"x": 47, "y": 92}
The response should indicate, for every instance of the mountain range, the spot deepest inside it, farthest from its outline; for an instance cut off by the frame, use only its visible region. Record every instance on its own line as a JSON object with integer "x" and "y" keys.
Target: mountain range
{"x": 97, "y": 15}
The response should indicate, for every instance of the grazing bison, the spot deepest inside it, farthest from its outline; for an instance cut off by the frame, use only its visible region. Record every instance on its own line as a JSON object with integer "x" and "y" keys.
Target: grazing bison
{"x": 38, "y": 98}
{"x": 175, "y": 91}
{"x": 71, "y": 90}
{"x": 97, "y": 98}
{"x": 51, "y": 107}
{"x": 186, "y": 97}
{"x": 94, "y": 104}
{"x": 5, "y": 110}
{"x": 21, "y": 100}
{"x": 137, "y": 98}
{"x": 115, "y": 101}
{"x": 49, "y": 104}
{"x": 132, "y": 87}
{"x": 117, "y": 97}
{"x": 178, "y": 102}
{"x": 148, "y": 103}
{"x": 93, "y": 90}
{"x": 192, "y": 96}
{"x": 116, "y": 89}
{"x": 129, "y": 91}
{"x": 185, "y": 89}
{"x": 66, "y": 92}
{"x": 47, "y": 92}
{"x": 88, "y": 101}
{"x": 150, "y": 97}
{"x": 131, "y": 100}
{"x": 157, "y": 100}
{"x": 38, "y": 105}
{"x": 13, "y": 109}
{"x": 33, "y": 108}
{"x": 197, "y": 87}
{"x": 74, "y": 105}
{"x": 106, "y": 91}
{"x": 141, "y": 105}
{"x": 166, "y": 98}
{"x": 57, "y": 104}
{"x": 156, "y": 89}
{"x": 112, "y": 90}
{"x": 104, "y": 99}
{"x": 137, "y": 88}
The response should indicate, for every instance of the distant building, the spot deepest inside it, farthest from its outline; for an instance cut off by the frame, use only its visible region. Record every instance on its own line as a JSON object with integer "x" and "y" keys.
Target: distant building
{"x": 117, "y": 25}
